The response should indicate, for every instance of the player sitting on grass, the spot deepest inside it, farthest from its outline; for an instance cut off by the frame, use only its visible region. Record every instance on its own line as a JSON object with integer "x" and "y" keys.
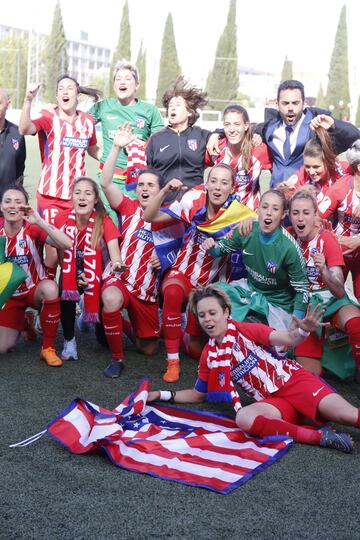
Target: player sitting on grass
{"x": 285, "y": 393}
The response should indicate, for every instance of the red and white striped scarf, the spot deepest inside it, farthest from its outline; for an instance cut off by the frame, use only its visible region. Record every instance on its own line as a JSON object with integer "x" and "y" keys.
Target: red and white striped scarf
{"x": 92, "y": 269}
{"x": 220, "y": 385}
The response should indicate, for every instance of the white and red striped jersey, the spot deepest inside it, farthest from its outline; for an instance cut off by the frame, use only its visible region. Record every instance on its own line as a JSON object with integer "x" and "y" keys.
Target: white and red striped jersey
{"x": 326, "y": 243}
{"x": 247, "y": 185}
{"x": 257, "y": 369}
{"x": 342, "y": 199}
{"x": 137, "y": 246}
{"x": 63, "y": 146}
{"x": 25, "y": 249}
{"x": 192, "y": 261}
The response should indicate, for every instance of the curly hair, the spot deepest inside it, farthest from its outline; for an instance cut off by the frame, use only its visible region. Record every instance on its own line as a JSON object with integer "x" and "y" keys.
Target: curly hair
{"x": 194, "y": 97}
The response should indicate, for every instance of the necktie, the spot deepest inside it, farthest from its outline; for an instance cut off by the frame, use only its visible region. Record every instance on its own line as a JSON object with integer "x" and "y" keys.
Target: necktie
{"x": 286, "y": 147}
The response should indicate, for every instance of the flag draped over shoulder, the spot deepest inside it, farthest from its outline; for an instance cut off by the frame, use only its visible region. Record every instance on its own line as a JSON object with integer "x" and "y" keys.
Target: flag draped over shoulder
{"x": 11, "y": 275}
{"x": 191, "y": 447}
{"x": 169, "y": 237}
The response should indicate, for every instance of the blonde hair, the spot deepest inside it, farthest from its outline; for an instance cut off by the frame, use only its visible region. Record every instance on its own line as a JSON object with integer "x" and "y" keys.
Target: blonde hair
{"x": 126, "y": 64}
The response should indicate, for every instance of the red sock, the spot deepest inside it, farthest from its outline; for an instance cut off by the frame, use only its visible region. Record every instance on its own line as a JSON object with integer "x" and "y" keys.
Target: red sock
{"x": 113, "y": 327}
{"x": 128, "y": 329}
{"x": 264, "y": 426}
{"x": 174, "y": 297}
{"x": 49, "y": 320}
{"x": 357, "y": 424}
{"x": 352, "y": 328}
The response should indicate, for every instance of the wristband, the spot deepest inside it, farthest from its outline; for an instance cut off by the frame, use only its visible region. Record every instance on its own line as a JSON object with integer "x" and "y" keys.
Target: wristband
{"x": 303, "y": 333}
{"x": 168, "y": 395}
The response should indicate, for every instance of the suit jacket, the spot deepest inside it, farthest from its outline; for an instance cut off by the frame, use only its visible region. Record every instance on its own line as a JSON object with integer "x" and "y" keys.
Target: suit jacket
{"x": 343, "y": 134}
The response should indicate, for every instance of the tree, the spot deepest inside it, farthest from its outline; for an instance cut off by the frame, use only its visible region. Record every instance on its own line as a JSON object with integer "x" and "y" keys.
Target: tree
{"x": 13, "y": 68}
{"x": 338, "y": 94}
{"x": 169, "y": 63}
{"x": 223, "y": 80}
{"x": 320, "y": 100}
{"x": 55, "y": 55}
{"x": 287, "y": 70}
{"x": 123, "y": 48}
{"x": 357, "y": 118}
{"x": 141, "y": 65}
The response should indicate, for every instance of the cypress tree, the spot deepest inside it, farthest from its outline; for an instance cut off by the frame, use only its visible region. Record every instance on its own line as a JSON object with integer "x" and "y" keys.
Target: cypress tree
{"x": 123, "y": 48}
{"x": 55, "y": 55}
{"x": 169, "y": 63}
{"x": 287, "y": 70}
{"x": 141, "y": 65}
{"x": 223, "y": 80}
{"x": 357, "y": 118}
{"x": 338, "y": 85}
{"x": 320, "y": 100}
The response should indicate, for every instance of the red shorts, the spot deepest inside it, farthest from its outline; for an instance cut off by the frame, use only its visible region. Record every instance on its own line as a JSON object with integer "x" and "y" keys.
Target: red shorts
{"x": 192, "y": 327}
{"x": 144, "y": 316}
{"x": 299, "y": 398}
{"x": 49, "y": 207}
{"x": 12, "y": 315}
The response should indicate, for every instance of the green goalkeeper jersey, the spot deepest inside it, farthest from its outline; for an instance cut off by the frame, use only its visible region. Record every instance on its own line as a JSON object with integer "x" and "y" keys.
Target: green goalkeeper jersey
{"x": 275, "y": 266}
{"x": 144, "y": 118}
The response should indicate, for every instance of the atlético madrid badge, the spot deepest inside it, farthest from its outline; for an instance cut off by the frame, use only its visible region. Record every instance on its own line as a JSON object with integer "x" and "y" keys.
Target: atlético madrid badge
{"x": 271, "y": 266}
{"x": 192, "y": 144}
{"x": 140, "y": 122}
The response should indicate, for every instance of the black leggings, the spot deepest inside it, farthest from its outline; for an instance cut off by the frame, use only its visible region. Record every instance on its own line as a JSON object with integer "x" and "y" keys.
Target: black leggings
{"x": 67, "y": 317}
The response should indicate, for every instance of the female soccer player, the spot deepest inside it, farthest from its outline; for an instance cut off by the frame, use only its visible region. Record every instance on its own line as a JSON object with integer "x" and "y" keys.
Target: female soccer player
{"x": 237, "y": 150}
{"x": 137, "y": 288}
{"x": 343, "y": 201}
{"x": 324, "y": 268}
{"x": 26, "y": 233}
{"x": 198, "y": 209}
{"x": 65, "y": 135}
{"x": 93, "y": 257}
{"x": 285, "y": 393}
{"x": 178, "y": 151}
{"x": 276, "y": 285}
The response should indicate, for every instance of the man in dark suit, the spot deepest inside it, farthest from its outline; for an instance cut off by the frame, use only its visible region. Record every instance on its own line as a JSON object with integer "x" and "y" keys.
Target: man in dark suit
{"x": 287, "y": 130}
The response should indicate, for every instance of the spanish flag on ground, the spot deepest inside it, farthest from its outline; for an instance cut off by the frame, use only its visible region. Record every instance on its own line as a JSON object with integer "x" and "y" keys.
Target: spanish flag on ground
{"x": 11, "y": 275}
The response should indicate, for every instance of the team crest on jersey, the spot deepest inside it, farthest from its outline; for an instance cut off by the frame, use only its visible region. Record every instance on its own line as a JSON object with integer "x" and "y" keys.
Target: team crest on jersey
{"x": 22, "y": 243}
{"x": 314, "y": 250}
{"x": 140, "y": 122}
{"x": 15, "y": 144}
{"x": 271, "y": 266}
{"x": 192, "y": 144}
{"x": 221, "y": 379}
{"x": 242, "y": 178}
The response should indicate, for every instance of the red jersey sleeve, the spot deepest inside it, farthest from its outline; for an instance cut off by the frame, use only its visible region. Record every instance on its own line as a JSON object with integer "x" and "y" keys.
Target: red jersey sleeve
{"x": 44, "y": 122}
{"x": 37, "y": 234}
{"x": 332, "y": 250}
{"x": 110, "y": 230}
{"x": 256, "y": 332}
{"x": 203, "y": 370}
{"x": 263, "y": 154}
